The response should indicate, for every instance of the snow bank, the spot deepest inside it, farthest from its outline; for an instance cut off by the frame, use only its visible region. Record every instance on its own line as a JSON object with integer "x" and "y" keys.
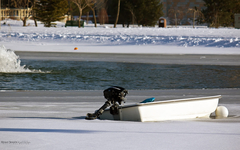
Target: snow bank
{"x": 127, "y": 36}
{"x": 180, "y": 37}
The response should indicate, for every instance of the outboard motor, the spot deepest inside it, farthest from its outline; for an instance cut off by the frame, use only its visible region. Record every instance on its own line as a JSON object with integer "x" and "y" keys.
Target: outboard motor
{"x": 114, "y": 95}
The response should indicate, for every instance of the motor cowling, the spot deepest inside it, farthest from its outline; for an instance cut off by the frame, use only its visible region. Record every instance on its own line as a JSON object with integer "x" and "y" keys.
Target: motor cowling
{"x": 115, "y": 94}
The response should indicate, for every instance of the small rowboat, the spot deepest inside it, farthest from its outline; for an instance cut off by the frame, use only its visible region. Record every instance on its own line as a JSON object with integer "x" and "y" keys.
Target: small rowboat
{"x": 188, "y": 108}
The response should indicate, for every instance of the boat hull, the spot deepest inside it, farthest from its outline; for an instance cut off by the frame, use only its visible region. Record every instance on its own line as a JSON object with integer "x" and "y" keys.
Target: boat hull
{"x": 189, "y": 108}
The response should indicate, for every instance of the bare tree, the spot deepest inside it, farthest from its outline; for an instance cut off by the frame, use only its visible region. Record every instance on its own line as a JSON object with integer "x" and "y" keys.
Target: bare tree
{"x": 195, "y": 11}
{"x": 81, "y": 4}
{"x": 97, "y": 5}
{"x": 103, "y": 16}
{"x": 34, "y": 14}
{"x": 92, "y": 4}
{"x": 23, "y": 4}
{"x": 118, "y": 11}
{"x": 130, "y": 8}
{"x": 176, "y": 14}
{"x": 87, "y": 17}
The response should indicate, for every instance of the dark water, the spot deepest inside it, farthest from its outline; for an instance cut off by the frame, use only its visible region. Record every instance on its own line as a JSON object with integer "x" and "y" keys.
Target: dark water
{"x": 77, "y": 75}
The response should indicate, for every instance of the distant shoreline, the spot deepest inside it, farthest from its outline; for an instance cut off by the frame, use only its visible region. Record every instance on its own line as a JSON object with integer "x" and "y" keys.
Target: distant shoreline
{"x": 181, "y": 59}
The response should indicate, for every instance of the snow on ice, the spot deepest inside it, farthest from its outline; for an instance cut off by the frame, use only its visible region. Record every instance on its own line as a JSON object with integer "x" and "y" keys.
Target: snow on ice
{"x": 59, "y": 132}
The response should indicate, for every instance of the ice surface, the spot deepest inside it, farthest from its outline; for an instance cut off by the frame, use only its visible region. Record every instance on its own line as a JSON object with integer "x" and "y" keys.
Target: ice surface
{"x": 62, "y": 126}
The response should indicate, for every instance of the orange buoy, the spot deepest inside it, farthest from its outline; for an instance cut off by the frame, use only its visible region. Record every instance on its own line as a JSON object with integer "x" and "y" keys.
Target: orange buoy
{"x": 75, "y": 48}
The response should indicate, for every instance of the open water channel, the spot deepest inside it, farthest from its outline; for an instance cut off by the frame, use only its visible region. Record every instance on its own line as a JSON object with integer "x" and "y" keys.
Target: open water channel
{"x": 98, "y": 75}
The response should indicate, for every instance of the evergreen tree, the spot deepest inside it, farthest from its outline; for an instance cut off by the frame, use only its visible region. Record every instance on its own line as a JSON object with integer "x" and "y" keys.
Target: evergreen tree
{"x": 220, "y": 12}
{"x": 148, "y": 12}
{"x": 50, "y": 11}
{"x": 142, "y": 12}
{"x": 124, "y": 16}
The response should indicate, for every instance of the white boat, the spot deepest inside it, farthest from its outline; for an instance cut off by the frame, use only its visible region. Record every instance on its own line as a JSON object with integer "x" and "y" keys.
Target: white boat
{"x": 188, "y": 108}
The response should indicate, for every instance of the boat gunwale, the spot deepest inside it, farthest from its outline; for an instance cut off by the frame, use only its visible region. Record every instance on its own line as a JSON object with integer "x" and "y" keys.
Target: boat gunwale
{"x": 170, "y": 101}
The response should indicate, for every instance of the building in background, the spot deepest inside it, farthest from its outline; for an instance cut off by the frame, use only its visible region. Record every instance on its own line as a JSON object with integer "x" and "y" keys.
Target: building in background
{"x": 15, "y": 13}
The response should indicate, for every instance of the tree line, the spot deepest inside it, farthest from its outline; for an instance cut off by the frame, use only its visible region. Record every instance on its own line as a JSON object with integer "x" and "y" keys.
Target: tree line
{"x": 141, "y": 12}
{"x": 220, "y": 12}
{"x": 215, "y": 13}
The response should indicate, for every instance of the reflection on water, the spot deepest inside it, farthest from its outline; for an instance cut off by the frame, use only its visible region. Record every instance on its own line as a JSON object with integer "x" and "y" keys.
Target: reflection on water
{"x": 76, "y": 75}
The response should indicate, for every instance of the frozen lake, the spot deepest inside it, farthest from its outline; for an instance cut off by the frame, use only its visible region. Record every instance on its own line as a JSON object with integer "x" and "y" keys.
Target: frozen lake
{"x": 47, "y": 119}
{"x": 54, "y": 119}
